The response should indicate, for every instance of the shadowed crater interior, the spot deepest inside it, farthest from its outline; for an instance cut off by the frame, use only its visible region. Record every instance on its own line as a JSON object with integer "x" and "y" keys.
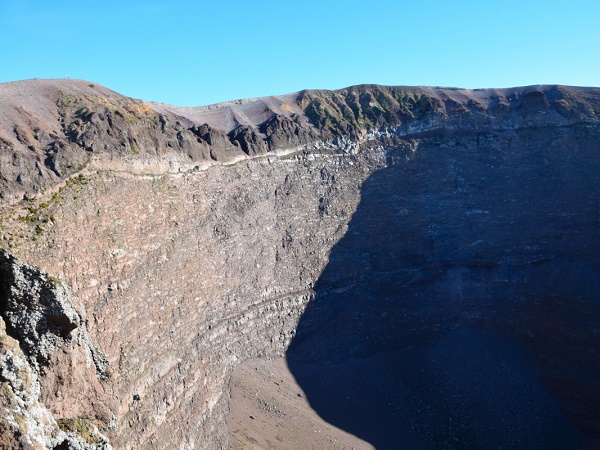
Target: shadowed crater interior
{"x": 460, "y": 309}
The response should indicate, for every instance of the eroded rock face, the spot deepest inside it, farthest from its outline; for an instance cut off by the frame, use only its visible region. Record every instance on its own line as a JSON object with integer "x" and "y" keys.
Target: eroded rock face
{"x": 347, "y": 223}
{"x": 42, "y": 337}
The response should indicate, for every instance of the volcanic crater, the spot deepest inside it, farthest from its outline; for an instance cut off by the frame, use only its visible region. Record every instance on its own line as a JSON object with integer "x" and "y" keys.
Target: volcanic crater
{"x": 372, "y": 267}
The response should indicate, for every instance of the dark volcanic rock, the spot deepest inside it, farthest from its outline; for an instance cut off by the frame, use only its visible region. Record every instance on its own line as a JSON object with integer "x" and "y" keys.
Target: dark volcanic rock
{"x": 248, "y": 140}
{"x": 43, "y": 345}
{"x": 287, "y": 132}
{"x": 41, "y": 314}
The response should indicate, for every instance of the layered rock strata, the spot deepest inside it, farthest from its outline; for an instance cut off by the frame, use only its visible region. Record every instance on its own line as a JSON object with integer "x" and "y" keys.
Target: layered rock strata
{"x": 195, "y": 238}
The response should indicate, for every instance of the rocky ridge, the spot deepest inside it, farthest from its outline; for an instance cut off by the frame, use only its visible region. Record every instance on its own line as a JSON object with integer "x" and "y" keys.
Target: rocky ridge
{"x": 55, "y": 132}
{"x": 195, "y": 238}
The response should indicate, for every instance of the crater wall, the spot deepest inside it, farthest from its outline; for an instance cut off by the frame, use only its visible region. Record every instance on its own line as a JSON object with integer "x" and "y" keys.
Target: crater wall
{"x": 347, "y": 224}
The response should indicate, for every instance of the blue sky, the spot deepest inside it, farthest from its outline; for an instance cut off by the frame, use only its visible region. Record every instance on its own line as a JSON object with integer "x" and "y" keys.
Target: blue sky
{"x": 200, "y": 52}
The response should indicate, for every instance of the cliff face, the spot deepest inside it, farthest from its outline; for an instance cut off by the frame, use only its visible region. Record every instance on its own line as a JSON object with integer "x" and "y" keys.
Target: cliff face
{"x": 196, "y": 238}
{"x": 43, "y": 334}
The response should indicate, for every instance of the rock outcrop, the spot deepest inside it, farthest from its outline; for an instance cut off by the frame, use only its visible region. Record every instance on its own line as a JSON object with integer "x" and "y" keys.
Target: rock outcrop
{"x": 41, "y": 334}
{"x": 343, "y": 223}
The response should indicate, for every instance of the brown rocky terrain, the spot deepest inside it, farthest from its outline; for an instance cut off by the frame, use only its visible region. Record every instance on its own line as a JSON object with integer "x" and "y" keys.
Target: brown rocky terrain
{"x": 430, "y": 252}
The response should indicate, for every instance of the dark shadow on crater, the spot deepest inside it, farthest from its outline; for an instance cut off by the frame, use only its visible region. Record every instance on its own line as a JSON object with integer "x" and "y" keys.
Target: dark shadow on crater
{"x": 461, "y": 308}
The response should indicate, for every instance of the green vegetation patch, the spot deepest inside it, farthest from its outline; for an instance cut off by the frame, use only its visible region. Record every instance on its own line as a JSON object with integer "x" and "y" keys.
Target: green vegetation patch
{"x": 80, "y": 426}
{"x": 356, "y": 108}
{"x": 69, "y": 100}
{"x": 55, "y": 281}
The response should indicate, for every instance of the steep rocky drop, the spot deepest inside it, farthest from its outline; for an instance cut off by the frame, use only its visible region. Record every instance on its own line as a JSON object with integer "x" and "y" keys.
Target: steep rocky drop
{"x": 418, "y": 256}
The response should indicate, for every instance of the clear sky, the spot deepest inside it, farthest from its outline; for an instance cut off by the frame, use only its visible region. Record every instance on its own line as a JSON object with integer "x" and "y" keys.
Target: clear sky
{"x": 200, "y": 52}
